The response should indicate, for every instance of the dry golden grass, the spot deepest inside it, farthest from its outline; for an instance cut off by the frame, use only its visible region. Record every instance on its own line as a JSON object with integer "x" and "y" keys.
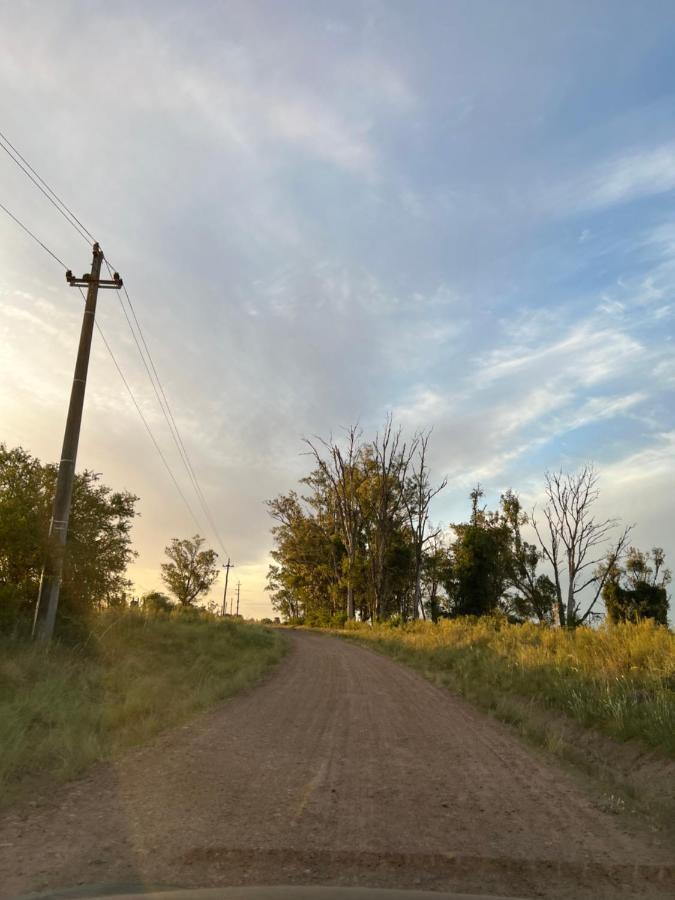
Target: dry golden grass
{"x": 619, "y": 679}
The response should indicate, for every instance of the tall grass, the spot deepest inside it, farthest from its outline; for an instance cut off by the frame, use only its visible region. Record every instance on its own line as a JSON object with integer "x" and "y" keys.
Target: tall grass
{"x": 619, "y": 679}
{"x": 64, "y": 707}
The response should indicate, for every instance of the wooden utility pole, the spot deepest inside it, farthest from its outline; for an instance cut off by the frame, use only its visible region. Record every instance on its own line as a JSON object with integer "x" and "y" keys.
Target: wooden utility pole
{"x": 50, "y": 581}
{"x": 238, "y": 588}
{"x": 227, "y": 575}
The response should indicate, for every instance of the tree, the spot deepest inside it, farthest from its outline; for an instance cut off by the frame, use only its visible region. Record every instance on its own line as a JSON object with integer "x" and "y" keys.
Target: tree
{"x": 529, "y": 594}
{"x": 572, "y": 542}
{"x": 99, "y": 546}
{"x": 97, "y": 553}
{"x": 341, "y": 470}
{"x": 480, "y": 562}
{"x": 381, "y": 499}
{"x": 637, "y": 589}
{"x": 190, "y": 571}
{"x": 305, "y": 579}
{"x": 417, "y": 500}
{"x": 355, "y": 542}
{"x": 436, "y": 572}
{"x": 156, "y": 601}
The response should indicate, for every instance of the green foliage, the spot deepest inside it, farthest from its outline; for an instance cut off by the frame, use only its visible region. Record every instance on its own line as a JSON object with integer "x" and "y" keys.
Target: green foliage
{"x": 359, "y": 539}
{"x": 529, "y": 595}
{"x": 308, "y": 570}
{"x": 436, "y": 573}
{"x": 354, "y": 543}
{"x": 619, "y": 679}
{"x": 637, "y": 589}
{"x": 190, "y": 571}
{"x": 64, "y": 707}
{"x": 358, "y": 543}
{"x": 156, "y": 601}
{"x": 480, "y": 557}
{"x": 97, "y": 553}
{"x": 491, "y": 568}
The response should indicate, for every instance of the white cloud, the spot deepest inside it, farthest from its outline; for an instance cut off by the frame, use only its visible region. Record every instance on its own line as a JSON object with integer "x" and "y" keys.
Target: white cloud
{"x": 620, "y": 179}
{"x": 640, "y": 174}
{"x": 587, "y": 354}
{"x": 654, "y": 462}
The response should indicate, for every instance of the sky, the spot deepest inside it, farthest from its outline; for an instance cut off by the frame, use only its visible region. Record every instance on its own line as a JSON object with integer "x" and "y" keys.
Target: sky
{"x": 457, "y": 212}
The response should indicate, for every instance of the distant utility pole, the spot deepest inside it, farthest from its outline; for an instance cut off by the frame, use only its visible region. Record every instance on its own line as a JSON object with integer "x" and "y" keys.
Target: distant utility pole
{"x": 227, "y": 575}
{"x": 238, "y": 588}
{"x": 50, "y": 581}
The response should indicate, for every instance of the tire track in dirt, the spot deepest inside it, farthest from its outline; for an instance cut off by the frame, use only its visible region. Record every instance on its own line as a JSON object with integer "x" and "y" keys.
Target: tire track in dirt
{"x": 342, "y": 768}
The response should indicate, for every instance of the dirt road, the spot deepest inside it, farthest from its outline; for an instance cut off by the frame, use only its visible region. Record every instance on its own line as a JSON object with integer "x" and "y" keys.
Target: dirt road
{"x": 342, "y": 768}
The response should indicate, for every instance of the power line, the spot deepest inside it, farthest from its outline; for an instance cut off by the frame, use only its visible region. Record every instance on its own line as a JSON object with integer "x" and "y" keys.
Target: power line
{"x": 84, "y": 232}
{"x": 117, "y": 366}
{"x": 34, "y": 236}
{"x": 42, "y": 181}
{"x": 160, "y": 394}
{"x": 25, "y": 169}
{"x": 147, "y": 426}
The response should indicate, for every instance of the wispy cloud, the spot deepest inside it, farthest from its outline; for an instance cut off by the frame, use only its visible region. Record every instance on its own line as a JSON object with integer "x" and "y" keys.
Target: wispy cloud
{"x": 619, "y": 179}
{"x": 587, "y": 354}
{"x": 654, "y": 462}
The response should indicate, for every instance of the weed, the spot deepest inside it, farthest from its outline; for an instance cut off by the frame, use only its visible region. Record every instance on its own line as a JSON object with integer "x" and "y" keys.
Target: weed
{"x": 619, "y": 678}
{"x": 64, "y": 707}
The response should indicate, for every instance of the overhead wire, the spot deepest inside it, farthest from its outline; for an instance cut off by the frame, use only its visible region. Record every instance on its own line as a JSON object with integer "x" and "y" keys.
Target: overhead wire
{"x": 6, "y": 140}
{"x": 145, "y": 422}
{"x": 84, "y": 232}
{"x": 34, "y": 236}
{"x": 117, "y": 366}
{"x": 47, "y": 191}
{"x": 160, "y": 394}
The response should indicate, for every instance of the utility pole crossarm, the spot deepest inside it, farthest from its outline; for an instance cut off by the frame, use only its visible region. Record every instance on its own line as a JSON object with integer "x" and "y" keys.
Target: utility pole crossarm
{"x": 115, "y": 282}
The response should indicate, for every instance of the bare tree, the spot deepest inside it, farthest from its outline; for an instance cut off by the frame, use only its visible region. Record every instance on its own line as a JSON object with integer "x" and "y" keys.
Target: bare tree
{"x": 341, "y": 469}
{"x": 390, "y": 459}
{"x": 417, "y": 500}
{"x": 573, "y": 541}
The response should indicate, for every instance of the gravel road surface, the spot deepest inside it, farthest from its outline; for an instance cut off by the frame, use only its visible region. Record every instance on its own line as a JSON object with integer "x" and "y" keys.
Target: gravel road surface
{"x": 342, "y": 768}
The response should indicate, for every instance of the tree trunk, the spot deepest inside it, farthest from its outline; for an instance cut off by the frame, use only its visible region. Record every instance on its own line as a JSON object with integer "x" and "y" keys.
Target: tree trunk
{"x": 419, "y": 611}
{"x": 569, "y": 614}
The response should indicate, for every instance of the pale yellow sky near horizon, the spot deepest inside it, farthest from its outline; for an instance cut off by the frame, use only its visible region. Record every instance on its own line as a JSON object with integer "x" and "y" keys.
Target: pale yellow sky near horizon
{"x": 113, "y": 441}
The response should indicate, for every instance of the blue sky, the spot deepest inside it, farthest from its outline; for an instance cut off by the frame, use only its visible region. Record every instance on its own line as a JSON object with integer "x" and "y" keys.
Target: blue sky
{"x": 459, "y": 212}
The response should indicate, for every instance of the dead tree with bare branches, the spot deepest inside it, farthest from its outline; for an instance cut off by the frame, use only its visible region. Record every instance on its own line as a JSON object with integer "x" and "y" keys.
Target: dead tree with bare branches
{"x": 344, "y": 474}
{"x": 387, "y": 460}
{"x": 571, "y": 541}
{"x": 417, "y": 500}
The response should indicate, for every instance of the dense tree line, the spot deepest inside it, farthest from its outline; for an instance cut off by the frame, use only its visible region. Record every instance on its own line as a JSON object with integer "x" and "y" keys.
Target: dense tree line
{"x": 356, "y": 542}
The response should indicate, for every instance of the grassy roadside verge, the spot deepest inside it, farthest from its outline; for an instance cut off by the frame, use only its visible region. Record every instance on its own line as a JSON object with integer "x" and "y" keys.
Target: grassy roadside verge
{"x": 63, "y": 708}
{"x": 603, "y": 699}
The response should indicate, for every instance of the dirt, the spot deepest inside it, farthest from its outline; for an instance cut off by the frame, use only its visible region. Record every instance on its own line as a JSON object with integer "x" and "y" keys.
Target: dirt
{"x": 343, "y": 767}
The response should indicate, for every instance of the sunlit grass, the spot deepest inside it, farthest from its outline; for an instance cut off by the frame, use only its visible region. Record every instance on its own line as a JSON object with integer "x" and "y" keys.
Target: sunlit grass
{"x": 64, "y": 707}
{"x": 619, "y": 679}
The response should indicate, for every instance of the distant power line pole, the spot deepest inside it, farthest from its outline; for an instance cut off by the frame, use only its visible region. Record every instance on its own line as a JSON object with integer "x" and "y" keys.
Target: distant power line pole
{"x": 227, "y": 575}
{"x": 50, "y": 581}
{"x": 238, "y": 588}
